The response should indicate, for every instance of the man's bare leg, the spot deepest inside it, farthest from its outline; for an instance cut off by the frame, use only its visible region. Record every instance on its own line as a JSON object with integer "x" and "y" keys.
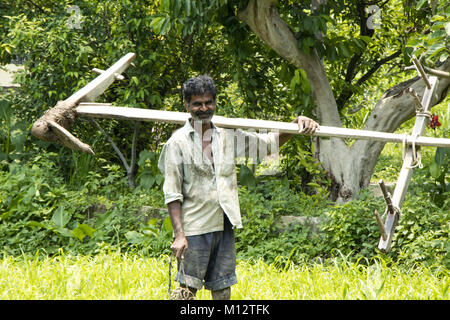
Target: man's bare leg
{"x": 223, "y": 294}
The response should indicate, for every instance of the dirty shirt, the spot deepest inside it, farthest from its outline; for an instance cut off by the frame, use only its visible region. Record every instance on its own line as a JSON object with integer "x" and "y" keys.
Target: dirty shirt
{"x": 207, "y": 190}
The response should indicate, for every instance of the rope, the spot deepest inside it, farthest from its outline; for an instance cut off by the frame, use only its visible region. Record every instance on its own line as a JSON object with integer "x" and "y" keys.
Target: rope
{"x": 416, "y": 156}
{"x": 423, "y": 113}
{"x": 397, "y": 210}
{"x": 180, "y": 293}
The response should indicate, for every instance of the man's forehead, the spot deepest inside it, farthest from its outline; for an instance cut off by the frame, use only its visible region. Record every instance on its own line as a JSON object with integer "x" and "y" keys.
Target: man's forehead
{"x": 202, "y": 97}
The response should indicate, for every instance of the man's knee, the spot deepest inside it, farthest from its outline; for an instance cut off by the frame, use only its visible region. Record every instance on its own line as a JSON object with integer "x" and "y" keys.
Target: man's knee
{"x": 223, "y": 294}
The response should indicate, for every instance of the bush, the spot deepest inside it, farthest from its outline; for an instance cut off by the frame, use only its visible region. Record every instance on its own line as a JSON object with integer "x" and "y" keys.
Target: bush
{"x": 39, "y": 211}
{"x": 423, "y": 232}
{"x": 351, "y": 227}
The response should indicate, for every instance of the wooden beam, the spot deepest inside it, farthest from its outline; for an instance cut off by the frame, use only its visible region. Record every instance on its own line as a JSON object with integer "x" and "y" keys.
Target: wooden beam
{"x": 406, "y": 171}
{"x": 97, "y": 86}
{"x": 387, "y": 196}
{"x": 380, "y": 225}
{"x": 434, "y": 72}
{"x": 107, "y": 111}
{"x": 54, "y": 124}
{"x": 422, "y": 73}
{"x": 100, "y": 71}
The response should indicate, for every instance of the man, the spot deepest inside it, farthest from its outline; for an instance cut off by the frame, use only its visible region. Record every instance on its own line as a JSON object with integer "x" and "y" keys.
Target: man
{"x": 200, "y": 189}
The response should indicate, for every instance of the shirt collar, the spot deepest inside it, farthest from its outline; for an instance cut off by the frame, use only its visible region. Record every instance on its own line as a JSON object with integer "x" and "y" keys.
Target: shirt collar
{"x": 189, "y": 129}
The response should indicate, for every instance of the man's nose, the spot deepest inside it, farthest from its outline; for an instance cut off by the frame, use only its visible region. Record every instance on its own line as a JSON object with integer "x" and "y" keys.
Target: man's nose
{"x": 204, "y": 107}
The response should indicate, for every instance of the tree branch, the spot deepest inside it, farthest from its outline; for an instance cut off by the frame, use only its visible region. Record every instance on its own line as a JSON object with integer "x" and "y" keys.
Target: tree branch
{"x": 119, "y": 153}
{"x": 34, "y": 4}
{"x": 347, "y": 92}
{"x": 133, "y": 148}
{"x": 376, "y": 66}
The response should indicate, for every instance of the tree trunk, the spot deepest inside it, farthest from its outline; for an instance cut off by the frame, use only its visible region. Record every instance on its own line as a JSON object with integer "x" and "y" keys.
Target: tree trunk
{"x": 350, "y": 168}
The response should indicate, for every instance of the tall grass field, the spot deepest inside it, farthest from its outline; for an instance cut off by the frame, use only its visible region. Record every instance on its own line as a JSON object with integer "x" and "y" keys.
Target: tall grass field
{"x": 115, "y": 275}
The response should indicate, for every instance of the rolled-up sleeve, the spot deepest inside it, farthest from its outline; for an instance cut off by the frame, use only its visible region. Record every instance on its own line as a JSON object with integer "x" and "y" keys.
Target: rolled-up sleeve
{"x": 170, "y": 164}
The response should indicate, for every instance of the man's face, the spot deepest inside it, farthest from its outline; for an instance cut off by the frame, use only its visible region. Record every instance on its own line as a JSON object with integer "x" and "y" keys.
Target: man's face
{"x": 201, "y": 108}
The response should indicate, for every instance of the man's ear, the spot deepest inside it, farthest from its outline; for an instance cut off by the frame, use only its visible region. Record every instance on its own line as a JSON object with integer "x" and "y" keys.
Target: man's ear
{"x": 186, "y": 105}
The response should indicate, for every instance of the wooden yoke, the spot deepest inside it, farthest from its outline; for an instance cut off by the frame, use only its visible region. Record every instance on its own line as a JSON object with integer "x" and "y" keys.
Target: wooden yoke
{"x": 108, "y": 111}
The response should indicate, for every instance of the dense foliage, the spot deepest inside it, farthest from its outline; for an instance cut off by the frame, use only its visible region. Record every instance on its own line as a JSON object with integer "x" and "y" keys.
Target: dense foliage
{"x": 41, "y": 212}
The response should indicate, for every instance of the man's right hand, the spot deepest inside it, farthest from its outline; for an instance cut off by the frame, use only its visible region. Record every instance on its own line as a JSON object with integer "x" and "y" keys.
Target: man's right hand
{"x": 179, "y": 247}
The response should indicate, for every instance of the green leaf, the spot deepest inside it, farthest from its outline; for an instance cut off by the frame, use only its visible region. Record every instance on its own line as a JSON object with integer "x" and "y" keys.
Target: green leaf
{"x": 36, "y": 224}
{"x": 176, "y": 8}
{"x": 165, "y": 5}
{"x": 146, "y": 180}
{"x": 157, "y": 23}
{"x": 61, "y": 217}
{"x": 246, "y": 177}
{"x": 159, "y": 179}
{"x": 167, "y": 225}
{"x": 420, "y": 4}
{"x": 447, "y": 28}
{"x": 359, "y": 43}
{"x": 187, "y": 4}
{"x": 344, "y": 50}
{"x": 5, "y": 112}
{"x": 63, "y": 231}
{"x": 134, "y": 237}
{"x": 439, "y": 157}
{"x": 83, "y": 230}
{"x": 165, "y": 28}
{"x": 102, "y": 219}
{"x": 152, "y": 222}
{"x": 366, "y": 39}
{"x": 135, "y": 80}
{"x": 434, "y": 170}
{"x": 435, "y": 49}
{"x": 413, "y": 42}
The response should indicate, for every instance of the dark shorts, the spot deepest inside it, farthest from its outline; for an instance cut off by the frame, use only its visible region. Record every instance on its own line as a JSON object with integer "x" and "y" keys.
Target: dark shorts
{"x": 210, "y": 260}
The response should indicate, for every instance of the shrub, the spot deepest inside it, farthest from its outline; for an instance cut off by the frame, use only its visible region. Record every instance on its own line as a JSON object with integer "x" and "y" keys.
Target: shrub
{"x": 39, "y": 211}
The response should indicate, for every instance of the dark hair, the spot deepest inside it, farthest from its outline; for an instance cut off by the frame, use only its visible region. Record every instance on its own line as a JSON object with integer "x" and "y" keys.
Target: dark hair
{"x": 198, "y": 86}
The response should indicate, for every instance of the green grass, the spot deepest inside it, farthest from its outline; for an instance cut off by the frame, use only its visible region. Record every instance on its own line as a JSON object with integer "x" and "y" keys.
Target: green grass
{"x": 116, "y": 275}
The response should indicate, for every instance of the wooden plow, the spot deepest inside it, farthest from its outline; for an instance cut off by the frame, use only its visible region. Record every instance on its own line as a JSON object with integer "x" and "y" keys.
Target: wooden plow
{"x": 55, "y": 124}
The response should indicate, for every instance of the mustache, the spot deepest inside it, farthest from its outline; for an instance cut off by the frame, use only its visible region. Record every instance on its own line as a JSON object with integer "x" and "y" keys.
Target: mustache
{"x": 202, "y": 113}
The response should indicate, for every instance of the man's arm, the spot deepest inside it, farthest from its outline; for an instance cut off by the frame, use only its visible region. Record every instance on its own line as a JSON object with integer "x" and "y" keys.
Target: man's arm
{"x": 170, "y": 165}
{"x": 305, "y": 125}
{"x": 180, "y": 244}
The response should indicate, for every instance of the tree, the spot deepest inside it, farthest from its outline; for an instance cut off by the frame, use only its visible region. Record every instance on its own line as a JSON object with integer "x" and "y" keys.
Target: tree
{"x": 60, "y": 43}
{"x": 339, "y": 48}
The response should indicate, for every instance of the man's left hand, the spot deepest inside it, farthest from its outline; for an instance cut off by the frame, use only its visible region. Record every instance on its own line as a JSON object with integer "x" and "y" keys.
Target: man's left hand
{"x": 306, "y": 125}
